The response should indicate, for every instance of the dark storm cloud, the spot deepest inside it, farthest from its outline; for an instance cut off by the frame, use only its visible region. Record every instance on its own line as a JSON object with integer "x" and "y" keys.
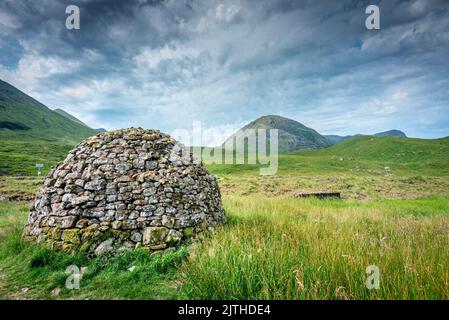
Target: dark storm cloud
{"x": 166, "y": 63}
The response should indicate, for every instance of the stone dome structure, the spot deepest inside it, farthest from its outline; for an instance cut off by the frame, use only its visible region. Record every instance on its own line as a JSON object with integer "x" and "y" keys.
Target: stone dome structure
{"x": 125, "y": 189}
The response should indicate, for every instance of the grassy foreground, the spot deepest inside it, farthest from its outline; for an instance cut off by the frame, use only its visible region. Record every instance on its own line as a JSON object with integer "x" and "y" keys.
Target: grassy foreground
{"x": 29, "y": 271}
{"x": 394, "y": 214}
{"x": 280, "y": 248}
{"x": 310, "y": 249}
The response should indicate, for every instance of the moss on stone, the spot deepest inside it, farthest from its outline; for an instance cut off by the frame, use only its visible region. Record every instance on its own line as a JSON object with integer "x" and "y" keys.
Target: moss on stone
{"x": 188, "y": 232}
{"x": 54, "y": 233}
{"x": 89, "y": 232}
{"x": 68, "y": 248}
{"x": 154, "y": 235}
{"x": 71, "y": 236}
{"x": 85, "y": 247}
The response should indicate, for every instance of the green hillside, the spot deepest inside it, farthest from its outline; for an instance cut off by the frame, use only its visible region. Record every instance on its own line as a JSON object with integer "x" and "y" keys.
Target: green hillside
{"x": 20, "y": 157}
{"x": 380, "y": 155}
{"x": 23, "y": 118}
{"x": 334, "y": 139}
{"x": 414, "y": 154}
{"x": 30, "y": 133}
{"x": 364, "y": 167}
{"x": 292, "y": 135}
{"x": 362, "y": 154}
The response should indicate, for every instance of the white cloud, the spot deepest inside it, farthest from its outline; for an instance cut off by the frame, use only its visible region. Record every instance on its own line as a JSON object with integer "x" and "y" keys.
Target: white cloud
{"x": 151, "y": 58}
{"x": 227, "y": 11}
{"x": 32, "y": 68}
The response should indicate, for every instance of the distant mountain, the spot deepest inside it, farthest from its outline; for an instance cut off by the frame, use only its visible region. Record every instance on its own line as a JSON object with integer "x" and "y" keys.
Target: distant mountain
{"x": 101, "y": 130}
{"x": 292, "y": 134}
{"x": 334, "y": 139}
{"x": 24, "y": 118}
{"x": 391, "y": 133}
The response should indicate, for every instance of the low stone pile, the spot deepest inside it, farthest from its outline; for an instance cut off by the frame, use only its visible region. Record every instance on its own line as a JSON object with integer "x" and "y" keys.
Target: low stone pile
{"x": 125, "y": 189}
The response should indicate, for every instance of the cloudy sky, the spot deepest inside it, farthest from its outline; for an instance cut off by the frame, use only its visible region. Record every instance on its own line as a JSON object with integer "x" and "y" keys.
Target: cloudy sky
{"x": 164, "y": 64}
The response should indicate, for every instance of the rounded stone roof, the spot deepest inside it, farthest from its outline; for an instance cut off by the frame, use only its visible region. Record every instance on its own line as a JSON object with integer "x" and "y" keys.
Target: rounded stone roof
{"x": 124, "y": 189}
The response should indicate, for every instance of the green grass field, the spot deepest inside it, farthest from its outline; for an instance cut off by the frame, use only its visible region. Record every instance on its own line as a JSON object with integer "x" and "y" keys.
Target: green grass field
{"x": 275, "y": 245}
{"x": 279, "y": 248}
{"x": 19, "y": 157}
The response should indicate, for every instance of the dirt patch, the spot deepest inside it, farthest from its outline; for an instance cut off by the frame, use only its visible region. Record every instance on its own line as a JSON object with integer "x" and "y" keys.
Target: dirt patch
{"x": 22, "y": 196}
{"x": 361, "y": 196}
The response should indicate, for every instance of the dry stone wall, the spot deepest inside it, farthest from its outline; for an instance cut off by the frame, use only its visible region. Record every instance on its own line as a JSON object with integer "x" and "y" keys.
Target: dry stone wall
{"x": 125, "y": 189}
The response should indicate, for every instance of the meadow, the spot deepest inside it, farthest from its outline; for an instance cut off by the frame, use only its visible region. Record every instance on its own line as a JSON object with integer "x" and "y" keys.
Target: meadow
{"x": 394, "y": 214}
{"x": 279, "y": 248}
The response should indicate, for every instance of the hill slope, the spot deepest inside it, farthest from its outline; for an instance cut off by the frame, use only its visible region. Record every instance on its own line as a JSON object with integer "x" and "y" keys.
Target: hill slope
{"x": 424, "y": 156}
{"x": 69, "y": 116}
{"x": 391, "y": 133}
{"x": 24, "y": 118}
{"x": 292, "y": 134}
{"x": 361, "y": 155}
{"x": 334, "y": 139}
{"x": 393, "y": 149}
{"x": 30, "y": 133}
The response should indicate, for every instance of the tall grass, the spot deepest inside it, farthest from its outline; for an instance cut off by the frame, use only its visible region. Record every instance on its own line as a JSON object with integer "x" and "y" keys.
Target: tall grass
{"x": 304, "y": 249}
{"x": 129, "y": 275}
{"x": 273, "y": 248}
